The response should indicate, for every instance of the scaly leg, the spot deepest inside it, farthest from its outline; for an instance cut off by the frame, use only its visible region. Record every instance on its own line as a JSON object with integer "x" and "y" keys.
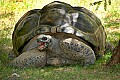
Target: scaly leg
{"x": 30, "y": 58}
{"x": 78, "y": 51}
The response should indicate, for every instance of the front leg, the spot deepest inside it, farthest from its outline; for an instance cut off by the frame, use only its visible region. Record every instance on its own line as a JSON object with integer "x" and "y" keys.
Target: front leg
{"x": 30, "y": 58}
{"x": 76, "y": 50}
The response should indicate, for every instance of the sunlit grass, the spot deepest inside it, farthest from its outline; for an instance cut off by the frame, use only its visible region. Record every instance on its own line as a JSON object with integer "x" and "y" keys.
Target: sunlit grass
{"x": 10, "y": 13}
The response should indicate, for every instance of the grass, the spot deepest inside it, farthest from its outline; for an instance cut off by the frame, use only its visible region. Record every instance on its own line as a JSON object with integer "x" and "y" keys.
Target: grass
{"x": 11, "y": 11}
{"x": 75, "y": 72}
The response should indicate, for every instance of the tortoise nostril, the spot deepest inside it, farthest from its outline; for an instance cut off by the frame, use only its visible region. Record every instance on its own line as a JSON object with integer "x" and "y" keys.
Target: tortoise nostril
{"x": 44, "y": 38}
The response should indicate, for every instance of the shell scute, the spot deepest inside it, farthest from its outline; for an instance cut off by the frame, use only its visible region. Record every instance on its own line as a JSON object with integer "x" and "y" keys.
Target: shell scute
{"x": 58, "y": 17}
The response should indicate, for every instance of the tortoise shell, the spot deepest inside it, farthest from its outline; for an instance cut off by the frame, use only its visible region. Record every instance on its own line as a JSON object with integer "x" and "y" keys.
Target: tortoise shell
{"x": 59, "y": 17}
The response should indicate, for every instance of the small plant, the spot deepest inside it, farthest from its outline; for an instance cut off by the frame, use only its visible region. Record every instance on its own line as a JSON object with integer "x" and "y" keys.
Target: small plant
{"x": 98, "y": 3}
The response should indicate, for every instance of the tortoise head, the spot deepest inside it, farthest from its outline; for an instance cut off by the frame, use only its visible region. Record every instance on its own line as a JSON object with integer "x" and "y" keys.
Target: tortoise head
{"x": 44, "y": 41}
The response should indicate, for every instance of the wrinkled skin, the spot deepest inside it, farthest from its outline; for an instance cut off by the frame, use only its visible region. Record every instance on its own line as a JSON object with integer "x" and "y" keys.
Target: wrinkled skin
{"x": 58, "y": 34}
{"x": 48, "y": 50}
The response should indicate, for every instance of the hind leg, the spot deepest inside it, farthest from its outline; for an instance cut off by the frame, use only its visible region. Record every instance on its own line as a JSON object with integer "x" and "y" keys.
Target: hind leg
{"x": 78, "y": 51}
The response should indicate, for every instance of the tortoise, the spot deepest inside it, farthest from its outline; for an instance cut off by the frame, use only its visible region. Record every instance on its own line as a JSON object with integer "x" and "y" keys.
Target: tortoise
{"x": 58, "y": 34}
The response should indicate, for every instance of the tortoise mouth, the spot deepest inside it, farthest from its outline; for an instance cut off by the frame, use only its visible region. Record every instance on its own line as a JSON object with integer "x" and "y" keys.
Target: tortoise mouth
{"x": 42, "y": 45}
{"x": 43, "y": 41}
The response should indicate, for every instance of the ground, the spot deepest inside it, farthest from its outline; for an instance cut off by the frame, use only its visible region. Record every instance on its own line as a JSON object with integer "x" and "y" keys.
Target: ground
{"x": 11, "y": 11}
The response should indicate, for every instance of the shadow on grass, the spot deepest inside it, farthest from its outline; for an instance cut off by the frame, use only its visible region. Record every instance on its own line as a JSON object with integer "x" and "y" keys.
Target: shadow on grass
{"x": 5, "y": 49}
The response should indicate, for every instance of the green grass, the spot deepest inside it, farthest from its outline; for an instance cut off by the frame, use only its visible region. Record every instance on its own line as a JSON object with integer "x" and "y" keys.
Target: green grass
{"x": 11, "y": 11}
{"x": 76, "y": 72}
